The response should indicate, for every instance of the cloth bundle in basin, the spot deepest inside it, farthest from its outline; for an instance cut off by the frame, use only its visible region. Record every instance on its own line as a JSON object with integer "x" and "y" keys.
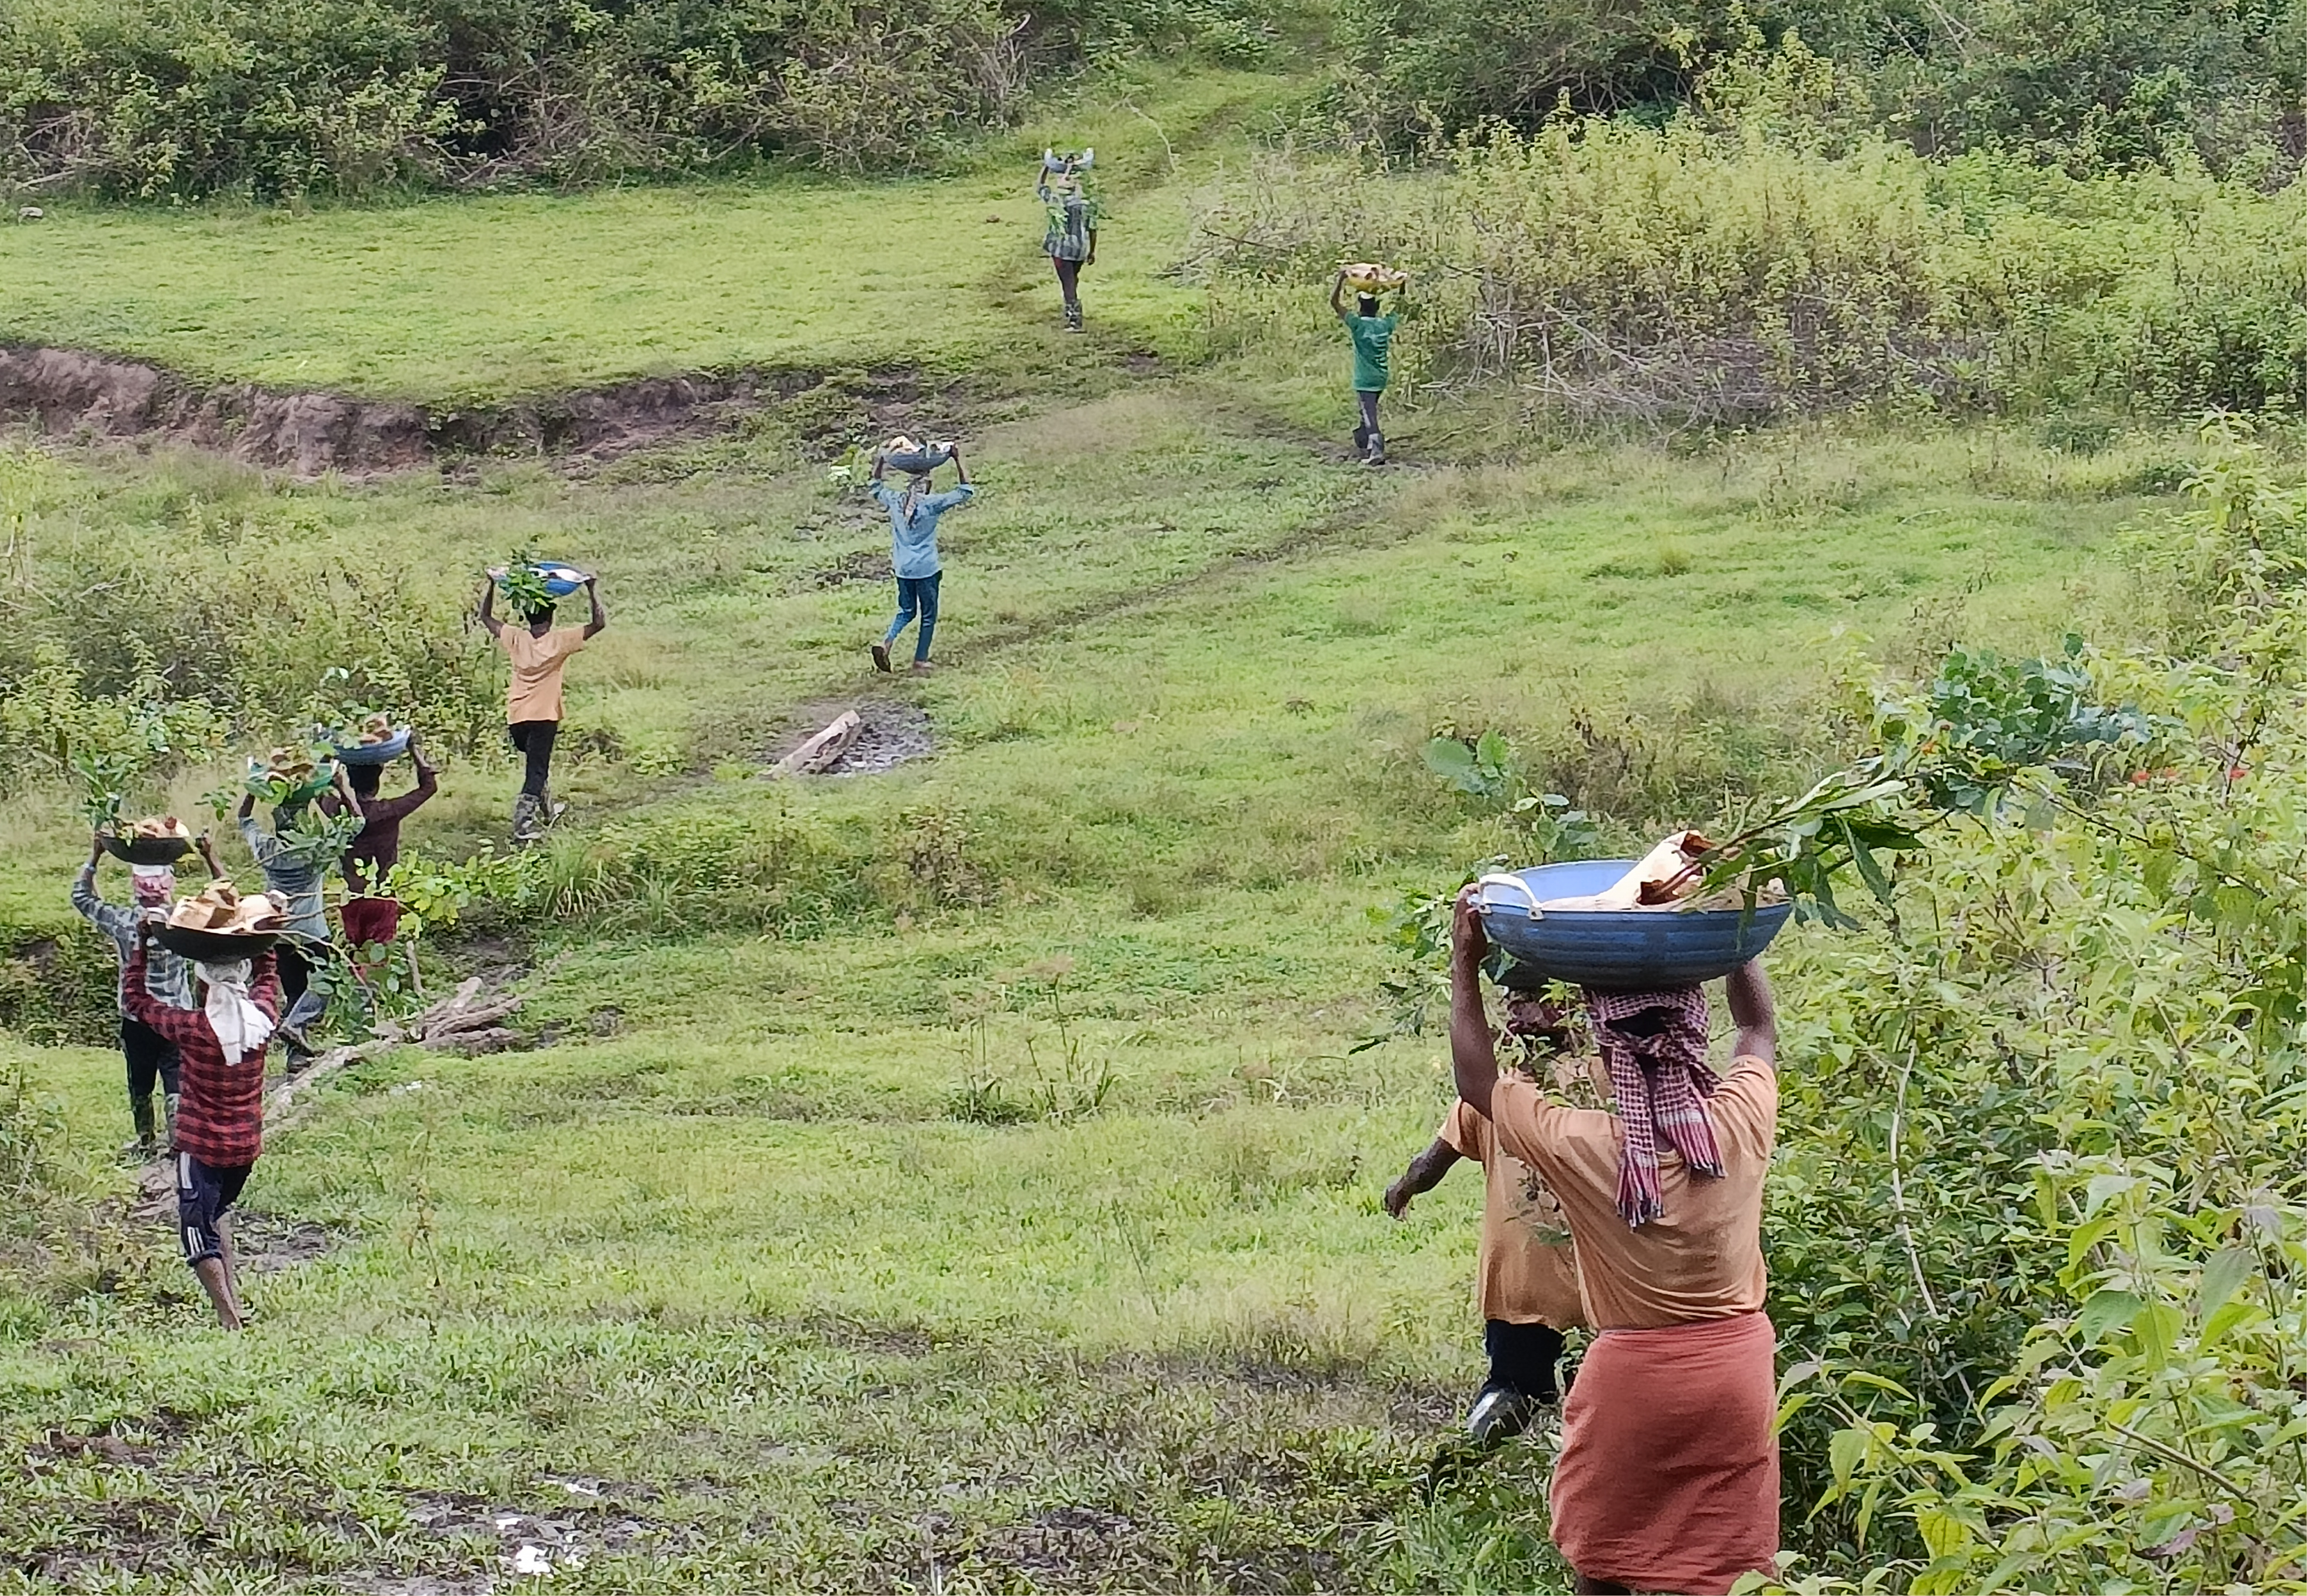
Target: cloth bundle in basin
{"x": 1589, "y": 924}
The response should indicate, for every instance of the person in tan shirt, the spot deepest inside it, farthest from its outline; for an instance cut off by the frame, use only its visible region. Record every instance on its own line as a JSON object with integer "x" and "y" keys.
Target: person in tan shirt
{"x": 1525, "y": 1274}
{"x": 539, "y": 654}
{"x": 1667, "y": 1478}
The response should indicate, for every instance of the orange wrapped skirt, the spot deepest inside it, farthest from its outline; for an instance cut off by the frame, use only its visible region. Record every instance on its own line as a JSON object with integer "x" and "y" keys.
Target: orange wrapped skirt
{"x": 1668, "y": 1475}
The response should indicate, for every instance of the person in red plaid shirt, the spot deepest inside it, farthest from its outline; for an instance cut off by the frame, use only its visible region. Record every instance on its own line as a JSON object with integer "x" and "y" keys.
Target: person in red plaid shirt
{"x": 220, "y": 1108}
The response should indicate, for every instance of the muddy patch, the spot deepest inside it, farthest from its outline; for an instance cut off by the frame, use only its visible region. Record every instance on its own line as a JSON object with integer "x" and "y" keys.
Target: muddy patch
{"x": 865, "y": 565}
{"x": 268, "y": 1243}
{"x": 895, "y": 733}
{"x": 73, "y": 393}
{"x": 530, "y": 1545}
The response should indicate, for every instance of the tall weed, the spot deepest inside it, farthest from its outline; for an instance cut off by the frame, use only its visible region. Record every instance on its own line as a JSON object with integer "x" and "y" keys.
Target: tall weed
{"x": 1710, "y": 273}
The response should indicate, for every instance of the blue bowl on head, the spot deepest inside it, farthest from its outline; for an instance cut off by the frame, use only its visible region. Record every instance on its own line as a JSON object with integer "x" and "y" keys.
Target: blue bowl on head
{"x": 915, "y": 462}
{"x": 560, "y": 580}
{"x": 374, "y": 753}
{"x": 1620, "y": 950}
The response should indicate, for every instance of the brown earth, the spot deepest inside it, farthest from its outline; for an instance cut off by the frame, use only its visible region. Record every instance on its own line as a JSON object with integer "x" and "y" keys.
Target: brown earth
{"x": 70, "y": 392}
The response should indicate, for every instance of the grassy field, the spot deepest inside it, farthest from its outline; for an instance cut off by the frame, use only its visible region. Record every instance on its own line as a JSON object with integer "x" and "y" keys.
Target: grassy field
{"x": 1009, "y": 1223}
{"x": 468, "y": 300}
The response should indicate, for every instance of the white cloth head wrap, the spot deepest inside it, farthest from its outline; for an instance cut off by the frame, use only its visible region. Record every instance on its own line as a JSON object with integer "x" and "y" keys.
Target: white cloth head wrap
{"x": 241, "y": 1027}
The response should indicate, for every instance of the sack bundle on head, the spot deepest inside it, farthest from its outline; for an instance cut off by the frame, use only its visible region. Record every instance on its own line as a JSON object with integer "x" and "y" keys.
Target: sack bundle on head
{"x": 1052, "y": 162}
{"x": 1371, "y": 277}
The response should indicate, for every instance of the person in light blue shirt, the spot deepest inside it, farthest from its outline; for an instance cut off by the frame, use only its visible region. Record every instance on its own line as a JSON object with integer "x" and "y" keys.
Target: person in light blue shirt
{"x": 914, "y": 512}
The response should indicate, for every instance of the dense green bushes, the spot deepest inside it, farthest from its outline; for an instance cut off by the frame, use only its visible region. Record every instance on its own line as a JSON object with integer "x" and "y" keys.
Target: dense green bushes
{"x": 162, "y": 626}
{"x": 1730, "y": 274}
{"x": 2037, "y": 1227}
{"x": 284, "y": 97}
{"x": 273, "y": 96}
{"x": 2095, "y": 86}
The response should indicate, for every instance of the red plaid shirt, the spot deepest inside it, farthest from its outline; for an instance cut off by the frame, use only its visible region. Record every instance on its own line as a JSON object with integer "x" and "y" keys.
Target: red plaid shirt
{"x": 221, "y": 1115}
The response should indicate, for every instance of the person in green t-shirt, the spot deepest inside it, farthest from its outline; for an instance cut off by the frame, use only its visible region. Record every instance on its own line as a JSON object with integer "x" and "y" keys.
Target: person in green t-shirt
{"x": 1373, "y": 336}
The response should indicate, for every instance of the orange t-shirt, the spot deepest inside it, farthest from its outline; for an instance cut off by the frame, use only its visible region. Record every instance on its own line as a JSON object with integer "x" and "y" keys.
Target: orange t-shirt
{"x": 1525, "y": 1272}
{"x": 1703, "y": 1258}
{"x": 537, "y": 662}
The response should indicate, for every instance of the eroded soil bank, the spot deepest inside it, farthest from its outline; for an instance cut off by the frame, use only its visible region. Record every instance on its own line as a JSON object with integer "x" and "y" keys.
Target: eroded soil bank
{"x": 69, "y": 392}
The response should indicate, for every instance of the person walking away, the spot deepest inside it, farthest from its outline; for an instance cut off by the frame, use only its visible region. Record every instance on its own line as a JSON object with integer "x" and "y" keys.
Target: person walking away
{"x": 150, "y": 1057}
{"x": 533, "y": 702}
{"x": 1070, "y": 237}
{"x": 220, "y": 1114}
{"x": 914, "y": 512}
{"x": 1667, "y": 1478}
{"x": 1525, "y": 1274}
{"x": 371, "y": 919}
{"x": 298, "y": 881}
{"x": 1372, "y": 333}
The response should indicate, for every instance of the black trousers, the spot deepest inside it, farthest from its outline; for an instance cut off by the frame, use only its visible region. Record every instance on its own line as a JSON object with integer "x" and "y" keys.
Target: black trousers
{"x": 1522, "y": 1359}
{"x": 151, "y": 1061}
{"x": 535, "y": 739}
{"x": 1069, "y": 279}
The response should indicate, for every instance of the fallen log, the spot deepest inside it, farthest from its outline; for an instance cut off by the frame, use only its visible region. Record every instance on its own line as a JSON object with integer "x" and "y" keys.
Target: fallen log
{"x": 822, "y": 750}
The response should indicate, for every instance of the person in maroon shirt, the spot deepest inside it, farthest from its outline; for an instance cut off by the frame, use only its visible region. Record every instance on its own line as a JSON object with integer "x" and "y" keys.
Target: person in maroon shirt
{"x": 371, "y": 919}
{"x": 220, "y": 1107}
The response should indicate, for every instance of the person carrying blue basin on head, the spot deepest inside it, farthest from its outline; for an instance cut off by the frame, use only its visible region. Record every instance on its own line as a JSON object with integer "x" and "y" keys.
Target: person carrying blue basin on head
{"x": 533, "y": 698}
{"x": 1667, "y": 1478}
{"x": 914, "y": 512}
{"x": 1526, "y": 1274}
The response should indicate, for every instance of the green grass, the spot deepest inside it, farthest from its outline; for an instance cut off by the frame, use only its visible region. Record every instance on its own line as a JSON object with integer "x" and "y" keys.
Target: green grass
{"x": 750, "y": 1260}
{"x": 470, "y": 300}
{"x": 741, "y": 1252}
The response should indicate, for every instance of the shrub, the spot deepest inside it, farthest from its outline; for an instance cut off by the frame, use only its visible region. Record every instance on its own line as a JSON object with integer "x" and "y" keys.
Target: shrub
{"x": 1721, "y": 274}
{"x": 275, "y": 98}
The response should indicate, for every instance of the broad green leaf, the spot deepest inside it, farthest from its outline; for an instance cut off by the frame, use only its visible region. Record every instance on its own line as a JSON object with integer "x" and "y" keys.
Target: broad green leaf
{"x": 2108, "y": 1311}
{"x": 2223, "y": 1276}
{"x": 1844, "y": 1452}
{"x": 1943, "y": 1532}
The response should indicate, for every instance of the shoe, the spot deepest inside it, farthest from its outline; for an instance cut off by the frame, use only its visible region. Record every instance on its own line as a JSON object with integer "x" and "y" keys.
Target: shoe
{"x": 1072, "y": 318}
{"x": 922, "y": 668}
{"x": 525, "y": 819}
{"x": 882, "y": 657}
{"x": 1375, "y": 450}
{"x": 1499, "y": 1415}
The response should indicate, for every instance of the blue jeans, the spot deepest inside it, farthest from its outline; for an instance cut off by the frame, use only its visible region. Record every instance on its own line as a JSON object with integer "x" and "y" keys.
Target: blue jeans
{"x": 916, "y": 596}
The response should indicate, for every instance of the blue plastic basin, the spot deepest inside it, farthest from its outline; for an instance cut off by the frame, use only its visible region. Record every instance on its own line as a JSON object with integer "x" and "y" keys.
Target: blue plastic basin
{"x": 1623, "y": 949}
{"x": 374, "y": 753}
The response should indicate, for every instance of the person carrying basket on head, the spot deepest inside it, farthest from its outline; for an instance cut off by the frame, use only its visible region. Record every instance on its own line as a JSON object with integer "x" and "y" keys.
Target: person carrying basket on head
{"x": 1667, "y": 1478}
{"x": 1371, "y": 328}
{"x": 150, "y": 1057}
{"x": 371, "y": 919}
{"x": 219, "y": 1128}
{"x": 913, "y": 513}
{"x": 533, "y": 700}
{"x": 1069, "y": 238}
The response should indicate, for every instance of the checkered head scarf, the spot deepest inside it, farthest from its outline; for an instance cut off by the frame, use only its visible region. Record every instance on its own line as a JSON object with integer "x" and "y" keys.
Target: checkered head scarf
{"x": 1654, "y": 1046}
{"x": 153, "y": 884}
